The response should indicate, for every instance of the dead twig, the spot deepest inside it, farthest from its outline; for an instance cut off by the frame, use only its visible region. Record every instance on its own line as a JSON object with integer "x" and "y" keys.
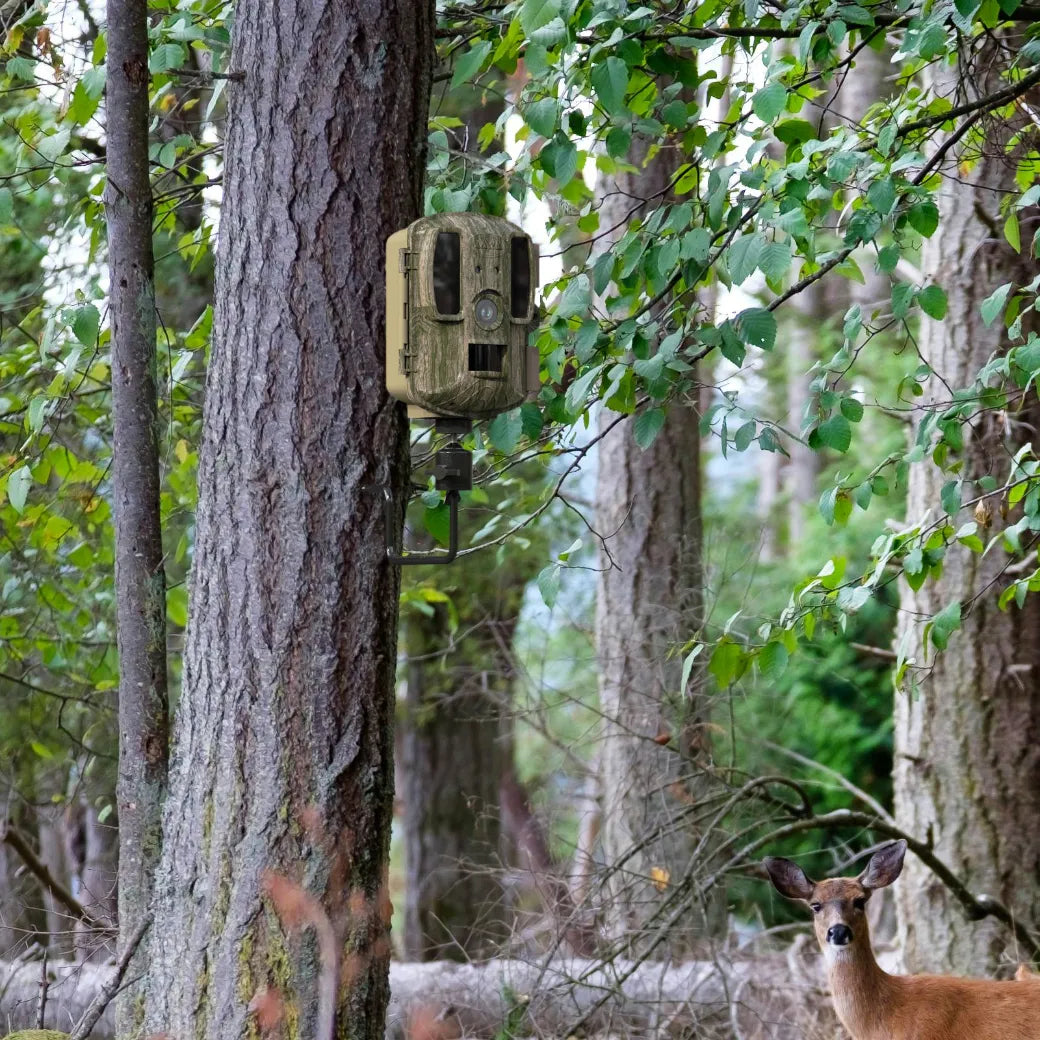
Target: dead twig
{"x": 111, "y": 987}
{"x": 13, "y": 837}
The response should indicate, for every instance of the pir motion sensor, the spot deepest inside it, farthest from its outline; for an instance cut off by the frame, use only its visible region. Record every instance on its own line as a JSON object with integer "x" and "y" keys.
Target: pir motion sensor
{"x": 459, "y": 311}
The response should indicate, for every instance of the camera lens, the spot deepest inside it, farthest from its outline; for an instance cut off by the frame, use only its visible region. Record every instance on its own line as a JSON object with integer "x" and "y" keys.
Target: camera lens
{"x": 487, "y": 312}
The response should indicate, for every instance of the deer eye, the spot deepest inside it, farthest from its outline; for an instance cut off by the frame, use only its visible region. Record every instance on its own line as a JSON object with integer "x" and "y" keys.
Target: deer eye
{"x": 860, "y": 903}
{"x": 815, "y": 907}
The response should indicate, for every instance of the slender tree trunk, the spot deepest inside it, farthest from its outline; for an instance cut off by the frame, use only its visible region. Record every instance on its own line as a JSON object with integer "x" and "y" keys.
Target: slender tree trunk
{"x": 140, "y": 580}
{"x": 650, "y": 598}
{"x": 281, "y": 779}
{"x": 808, "y": 316}
{"x": 967, "y": 771}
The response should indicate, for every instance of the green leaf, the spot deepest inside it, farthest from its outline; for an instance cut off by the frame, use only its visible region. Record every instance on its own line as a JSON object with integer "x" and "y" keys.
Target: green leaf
{"x": 727, "y": 662}
{"x": 1012, "y": 234}
{"x": 835, "y": 433}
{"x": 21, "y": 68}
{"x": 18, "y": 488}
{"x": 579, "y": 389}
{"x": 177, "y": 605}
{"x": 743, "y": 257}
{"x": 772, "y": 661}
{"x": 795, "y": 131}
{"x": 924, "y": 218}
{"x": 575, "y": 298}
{"x": 882, "y": 195}
{"x": 769, "y": 102}
{"x": 851, "y": 409}
{"x": 83, "y": 104}
{"x": 687, "y": 666}
{"x": 505, "y": 431}
{"x": 950, "y": 496}
{"x": 34, "y": 413}
{"x": 531, "y": 421}
{"x": 536, "y": 13}
{"x": 945, "y": 623}
{"x": 647, "y": 426}
{"x": 167, "y": 56}
{"x": 437, "y": 520}
{"x": 888, "y": 257}
{"x": 745, "y": 435}
{"x": 470, "y": 63}
{"x": 549, "y": 584}
{"x": 757, "y": 326}
{"x": 695, "y": 245}
{"x": 775, "y": 261}
{"x": 619, "y": 140}
{"x": 609, "y": 80}
{"x": 85, "y": 325}
{"x": 559, "y": 158}
{"x": 541, "y": 116}
{"x": 993, "y": 305}
{"x": 933, "y": 301}
{"x": 842, "y": 508}
{"x": 902, "y": 297}
{"x": 53, "y": 145}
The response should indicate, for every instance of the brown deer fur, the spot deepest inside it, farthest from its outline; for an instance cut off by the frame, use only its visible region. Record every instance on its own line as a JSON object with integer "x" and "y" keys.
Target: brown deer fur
{"x": 874, "y": 1005}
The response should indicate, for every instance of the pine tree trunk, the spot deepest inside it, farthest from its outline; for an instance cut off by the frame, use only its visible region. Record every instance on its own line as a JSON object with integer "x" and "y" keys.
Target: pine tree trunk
{"x": 650, "y": 599}
{"x": 967, "y": 773}
{"x": 281, "y": 779}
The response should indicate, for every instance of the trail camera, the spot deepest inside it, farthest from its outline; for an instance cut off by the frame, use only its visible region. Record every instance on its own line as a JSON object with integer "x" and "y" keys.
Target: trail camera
{"x": 459, "y": 307}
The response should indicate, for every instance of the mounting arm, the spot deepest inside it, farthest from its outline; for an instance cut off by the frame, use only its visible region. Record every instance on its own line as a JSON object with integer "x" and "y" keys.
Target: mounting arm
{"x": 453, "y": 473}
{"x": 406, "y": 559}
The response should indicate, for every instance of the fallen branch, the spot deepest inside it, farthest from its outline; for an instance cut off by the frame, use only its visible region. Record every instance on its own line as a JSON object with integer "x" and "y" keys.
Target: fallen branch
{"x": 445, "y": 1000}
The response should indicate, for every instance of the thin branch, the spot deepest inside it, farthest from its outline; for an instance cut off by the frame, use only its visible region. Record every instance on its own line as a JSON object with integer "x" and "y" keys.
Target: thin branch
{"x": 111, "y": 987}
{"x": 10, "y": 835}
{"x": 979, "y": 106}
{"x": 849, "y": 786}
{"x": 975, "y": 907}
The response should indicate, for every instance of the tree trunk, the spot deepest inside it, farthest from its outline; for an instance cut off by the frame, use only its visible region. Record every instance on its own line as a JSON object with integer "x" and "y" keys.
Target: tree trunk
{"x": 967, "y": 772}
{"x": 649, "y": 599}
{"x": 140, "y": 579}
{"x": 451, "y": 761}
{"x": 281, "y": 780}
{"x": 807, "y": 318}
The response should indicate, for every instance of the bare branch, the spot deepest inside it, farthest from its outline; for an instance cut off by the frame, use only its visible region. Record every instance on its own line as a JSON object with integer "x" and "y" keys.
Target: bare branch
{"x": 13, "y": 837}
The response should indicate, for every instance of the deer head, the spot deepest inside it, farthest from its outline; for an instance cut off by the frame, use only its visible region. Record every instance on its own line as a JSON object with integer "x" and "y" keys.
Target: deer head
{"x": 839, "y": 904}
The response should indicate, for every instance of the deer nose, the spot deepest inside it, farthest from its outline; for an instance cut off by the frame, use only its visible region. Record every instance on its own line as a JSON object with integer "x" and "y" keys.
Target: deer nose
{"x": 839, "y": 935}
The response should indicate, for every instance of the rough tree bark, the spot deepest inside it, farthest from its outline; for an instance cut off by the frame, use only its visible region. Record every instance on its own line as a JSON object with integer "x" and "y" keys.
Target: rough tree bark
{"x": 283, "y": 759}
{"x": 140, "y": 578}
{"x": 650, "y": 598}
{"x": 967, "y": 769}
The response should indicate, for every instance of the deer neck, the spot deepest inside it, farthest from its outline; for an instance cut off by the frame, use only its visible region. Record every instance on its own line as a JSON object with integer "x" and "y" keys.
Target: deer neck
{"x": 862, "y": 992}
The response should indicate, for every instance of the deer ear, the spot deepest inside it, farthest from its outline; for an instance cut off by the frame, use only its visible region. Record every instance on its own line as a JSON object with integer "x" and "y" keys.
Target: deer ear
{"x": 884, "y": 866}
{"x": 788, "y": 878}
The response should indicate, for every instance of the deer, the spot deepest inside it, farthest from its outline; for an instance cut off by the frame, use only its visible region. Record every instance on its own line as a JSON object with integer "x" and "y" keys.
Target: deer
{"x": 874, "y": 1005}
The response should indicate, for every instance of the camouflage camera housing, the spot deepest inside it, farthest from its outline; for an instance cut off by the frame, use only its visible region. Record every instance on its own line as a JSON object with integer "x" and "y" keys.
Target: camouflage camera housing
{"x": 459, "y": 309}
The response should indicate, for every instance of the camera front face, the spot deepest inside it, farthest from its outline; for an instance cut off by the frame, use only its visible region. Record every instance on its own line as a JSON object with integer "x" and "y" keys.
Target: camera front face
{"x": 468, "y": 313}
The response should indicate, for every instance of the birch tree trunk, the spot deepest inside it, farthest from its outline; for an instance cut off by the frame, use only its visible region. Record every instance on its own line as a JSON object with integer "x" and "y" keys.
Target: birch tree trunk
{"x": 649, "y": 599}
{"x": 967, "y": 773}
{"x": 281, "y": 777}
{"x": 140, "y": 578}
